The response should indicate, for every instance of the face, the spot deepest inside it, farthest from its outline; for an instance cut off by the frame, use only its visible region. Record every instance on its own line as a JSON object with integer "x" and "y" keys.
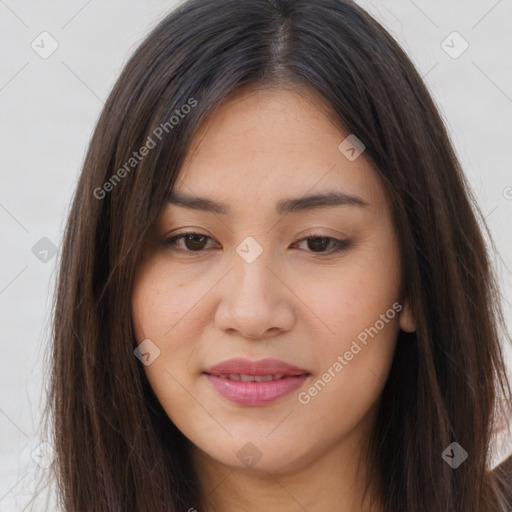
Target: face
{"x": 305, "y": 292}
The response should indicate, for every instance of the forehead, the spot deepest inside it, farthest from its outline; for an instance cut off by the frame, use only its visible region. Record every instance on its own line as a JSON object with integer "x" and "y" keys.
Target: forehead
{"x": 264, "y": 144}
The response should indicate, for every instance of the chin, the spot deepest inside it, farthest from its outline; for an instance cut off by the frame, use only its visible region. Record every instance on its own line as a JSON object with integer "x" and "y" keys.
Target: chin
{"x": 258, "y": 455}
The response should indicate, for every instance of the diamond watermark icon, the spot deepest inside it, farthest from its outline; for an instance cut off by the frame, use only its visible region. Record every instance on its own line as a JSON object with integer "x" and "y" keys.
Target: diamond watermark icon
{"x": 454, "y": 45}
{"x": 43, "y": 454}
{"x": 44, "y": 250}
{"x": 249, "y": 454}
{"x": 44, "y": 45}
{"x": 454, "y": 455}
{"x": 249, "y": 250}
{"x": 351, "y": 147}
{"x": 147, "y": 352}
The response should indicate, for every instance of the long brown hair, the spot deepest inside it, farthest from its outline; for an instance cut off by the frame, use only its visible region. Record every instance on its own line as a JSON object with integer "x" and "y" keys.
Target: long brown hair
{"x": 116, "y": 448}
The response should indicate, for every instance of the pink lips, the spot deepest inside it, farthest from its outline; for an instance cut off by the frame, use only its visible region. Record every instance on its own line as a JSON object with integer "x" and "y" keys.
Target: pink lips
{"x": 255, "y": 382}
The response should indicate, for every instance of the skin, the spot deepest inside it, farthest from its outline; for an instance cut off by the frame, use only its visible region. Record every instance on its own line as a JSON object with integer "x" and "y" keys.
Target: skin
{"x": 294, "y": 303}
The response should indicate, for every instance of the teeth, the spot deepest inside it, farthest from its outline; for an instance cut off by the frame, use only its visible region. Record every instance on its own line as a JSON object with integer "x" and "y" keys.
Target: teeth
{"x": 251, "y": 378}
{"x": 262, "y": 378}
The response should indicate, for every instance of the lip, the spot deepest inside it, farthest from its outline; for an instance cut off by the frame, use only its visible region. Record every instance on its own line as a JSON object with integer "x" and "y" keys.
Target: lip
{"x": 256, "y": 393}
{"x": 261, "y": 367}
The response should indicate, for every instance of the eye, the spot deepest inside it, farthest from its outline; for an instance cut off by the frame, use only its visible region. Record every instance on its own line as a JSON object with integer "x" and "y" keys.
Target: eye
{"x": 319, "y": 244}
{"x": 194, "y": 242}
{"x": 197, "y": 242}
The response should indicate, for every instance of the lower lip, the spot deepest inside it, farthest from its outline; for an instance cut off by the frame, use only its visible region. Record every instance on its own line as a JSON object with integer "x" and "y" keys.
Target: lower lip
{"x": 256, "y": 393}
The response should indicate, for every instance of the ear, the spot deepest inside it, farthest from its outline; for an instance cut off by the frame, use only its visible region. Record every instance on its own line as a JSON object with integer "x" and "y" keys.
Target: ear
{"x": 407, "y": 321}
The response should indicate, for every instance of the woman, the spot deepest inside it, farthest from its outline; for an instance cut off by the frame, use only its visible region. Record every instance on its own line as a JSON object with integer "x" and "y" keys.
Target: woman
{"x": 274, "y": 294}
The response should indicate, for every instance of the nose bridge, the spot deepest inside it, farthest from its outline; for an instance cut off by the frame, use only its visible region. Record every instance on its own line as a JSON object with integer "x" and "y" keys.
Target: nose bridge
{"x": 256, "y": 301}
{"x": 252, "y": 275}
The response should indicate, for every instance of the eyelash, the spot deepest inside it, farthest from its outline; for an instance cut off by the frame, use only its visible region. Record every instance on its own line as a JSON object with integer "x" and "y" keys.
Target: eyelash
{"x": 338, "y": 245}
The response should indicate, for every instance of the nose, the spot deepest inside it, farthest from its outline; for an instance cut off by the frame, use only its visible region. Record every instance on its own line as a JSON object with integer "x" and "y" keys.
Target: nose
{"x": 255, "y": 301}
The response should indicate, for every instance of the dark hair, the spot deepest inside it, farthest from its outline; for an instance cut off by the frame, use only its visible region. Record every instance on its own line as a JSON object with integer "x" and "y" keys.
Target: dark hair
{"x": 117, "y": 450}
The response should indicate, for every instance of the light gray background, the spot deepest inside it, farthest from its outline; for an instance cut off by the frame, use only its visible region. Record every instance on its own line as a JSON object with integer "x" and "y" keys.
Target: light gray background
{"x": 48, "y": 109}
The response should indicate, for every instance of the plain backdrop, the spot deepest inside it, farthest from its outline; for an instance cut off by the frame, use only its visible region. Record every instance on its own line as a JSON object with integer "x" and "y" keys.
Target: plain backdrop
{"x": 48, "y": 109}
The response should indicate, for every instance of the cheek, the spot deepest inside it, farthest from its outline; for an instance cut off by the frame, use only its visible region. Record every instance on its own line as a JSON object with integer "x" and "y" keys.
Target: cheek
{"x": 158, "y": 311}
{"x": 166, "y": 308}
{"x": 361, "y": 310}
{"x": 354, "y": 364}
{"x": 159, "y": 301}
{"x": 353, "y": 299}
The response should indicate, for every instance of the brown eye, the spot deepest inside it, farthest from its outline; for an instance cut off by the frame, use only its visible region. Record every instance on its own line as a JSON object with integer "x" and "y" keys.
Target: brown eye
{"x": 192, "y": 242}
{"x": 318, "y": 244}
{"x": 195, "y": 242}
{"x": 324, "y": 244}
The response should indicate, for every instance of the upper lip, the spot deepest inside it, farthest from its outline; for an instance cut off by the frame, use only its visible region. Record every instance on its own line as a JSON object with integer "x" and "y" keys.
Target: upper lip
{"x": 262, "y": 367}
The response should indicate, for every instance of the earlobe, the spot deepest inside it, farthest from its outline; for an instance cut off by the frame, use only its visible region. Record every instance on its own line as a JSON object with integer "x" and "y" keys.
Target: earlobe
{"x": 407, "y": 321}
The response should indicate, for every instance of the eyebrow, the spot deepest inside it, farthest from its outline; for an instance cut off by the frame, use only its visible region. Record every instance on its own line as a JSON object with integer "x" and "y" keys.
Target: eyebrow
{"x": 310, "y": 202}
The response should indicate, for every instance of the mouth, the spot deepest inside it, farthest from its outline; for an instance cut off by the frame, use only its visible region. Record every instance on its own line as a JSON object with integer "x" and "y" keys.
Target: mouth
{"x": 250, "y": 378}
{"x": 255, "y": 383}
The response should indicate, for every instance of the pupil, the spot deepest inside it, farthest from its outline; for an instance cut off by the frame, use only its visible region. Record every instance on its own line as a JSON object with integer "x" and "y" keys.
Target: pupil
{"x": 317, "y": 242}
{"x": 194, "y": 246}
